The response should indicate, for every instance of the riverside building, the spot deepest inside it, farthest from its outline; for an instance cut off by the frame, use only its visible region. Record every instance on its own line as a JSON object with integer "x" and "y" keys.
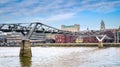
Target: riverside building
{"x": 72, "y": 28}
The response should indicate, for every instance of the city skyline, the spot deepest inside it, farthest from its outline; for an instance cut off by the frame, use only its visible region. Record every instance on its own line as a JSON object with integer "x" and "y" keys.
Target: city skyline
{"x": 86, "y": 13}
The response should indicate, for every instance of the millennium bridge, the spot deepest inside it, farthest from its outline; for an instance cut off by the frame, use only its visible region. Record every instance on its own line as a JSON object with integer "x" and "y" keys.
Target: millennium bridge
{"x": 27, "y": 29}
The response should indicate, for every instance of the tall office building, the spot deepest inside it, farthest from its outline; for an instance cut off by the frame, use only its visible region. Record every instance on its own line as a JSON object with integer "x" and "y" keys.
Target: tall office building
{"x": 102, "y": 27}
{"x": 73, "y": 28}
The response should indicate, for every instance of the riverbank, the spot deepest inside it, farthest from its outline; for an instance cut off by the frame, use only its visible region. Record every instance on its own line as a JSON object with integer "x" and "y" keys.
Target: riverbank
{"x": 67, "y": 45}
{"x": 77, "y": 45}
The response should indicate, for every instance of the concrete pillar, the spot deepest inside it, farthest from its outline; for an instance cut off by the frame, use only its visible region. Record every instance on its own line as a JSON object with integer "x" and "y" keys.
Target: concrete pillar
{"x": 100, "y": 44}
{"x": 25, "y": 61}
{"x": 25, "y": 50}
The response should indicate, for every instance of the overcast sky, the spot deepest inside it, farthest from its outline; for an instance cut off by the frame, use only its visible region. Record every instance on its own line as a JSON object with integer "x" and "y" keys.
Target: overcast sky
{"x": 87, "y": 13}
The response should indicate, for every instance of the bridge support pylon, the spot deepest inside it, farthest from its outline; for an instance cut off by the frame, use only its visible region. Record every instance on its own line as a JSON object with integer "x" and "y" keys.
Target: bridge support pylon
{"x": 100, "y": 44}
{"x": 25, "y": 50}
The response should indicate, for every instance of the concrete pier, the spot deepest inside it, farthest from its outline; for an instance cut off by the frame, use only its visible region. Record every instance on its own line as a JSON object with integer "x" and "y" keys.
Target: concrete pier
{"x": 25, "y": 50}
{"x": 100, "y": 44}
{"x": 25, "y": 61}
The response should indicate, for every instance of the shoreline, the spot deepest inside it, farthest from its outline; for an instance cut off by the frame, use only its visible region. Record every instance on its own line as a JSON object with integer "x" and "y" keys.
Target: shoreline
{"x": 77, "y": 45}
{"x": 69, "y": 45}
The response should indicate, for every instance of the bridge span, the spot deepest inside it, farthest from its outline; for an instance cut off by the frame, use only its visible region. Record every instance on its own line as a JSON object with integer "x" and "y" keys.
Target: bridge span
{"x": 26, "y": 30}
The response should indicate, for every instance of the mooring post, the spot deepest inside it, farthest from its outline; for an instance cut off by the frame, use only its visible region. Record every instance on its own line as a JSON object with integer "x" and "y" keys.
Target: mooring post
{"x": 25, "y": 50}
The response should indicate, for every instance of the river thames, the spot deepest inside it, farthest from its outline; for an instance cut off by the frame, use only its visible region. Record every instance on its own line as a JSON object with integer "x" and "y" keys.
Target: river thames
{"x": 61, "y": 57}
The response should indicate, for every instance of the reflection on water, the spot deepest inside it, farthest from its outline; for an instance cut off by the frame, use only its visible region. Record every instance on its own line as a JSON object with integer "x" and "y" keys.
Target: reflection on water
{"x": 25, "y": 61}
{"x": 61, "y": 57}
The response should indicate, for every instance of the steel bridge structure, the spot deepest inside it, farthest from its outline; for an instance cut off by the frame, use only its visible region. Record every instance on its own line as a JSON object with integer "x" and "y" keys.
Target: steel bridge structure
{"x": 27, "y": 29}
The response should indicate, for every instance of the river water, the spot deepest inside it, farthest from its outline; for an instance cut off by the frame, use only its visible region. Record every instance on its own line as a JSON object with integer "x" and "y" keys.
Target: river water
{"x": 61, "y": 57}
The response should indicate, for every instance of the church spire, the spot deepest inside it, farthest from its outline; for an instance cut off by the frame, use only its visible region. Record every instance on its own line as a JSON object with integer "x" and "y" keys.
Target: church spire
{"x": 102, "y": 25}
